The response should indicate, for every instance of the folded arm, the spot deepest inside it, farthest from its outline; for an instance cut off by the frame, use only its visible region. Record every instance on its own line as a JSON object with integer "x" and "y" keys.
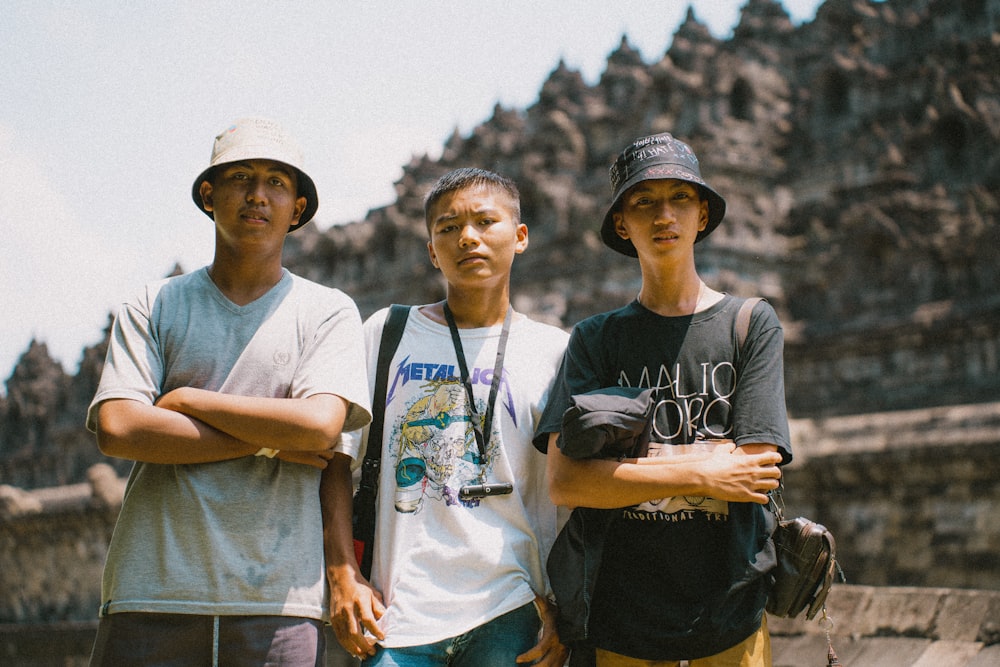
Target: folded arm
{"x": 198, "y": 426}
{"x": 304, "y": 424}
{"x": 133, "y": 430}
{"x": 743, "y": 475}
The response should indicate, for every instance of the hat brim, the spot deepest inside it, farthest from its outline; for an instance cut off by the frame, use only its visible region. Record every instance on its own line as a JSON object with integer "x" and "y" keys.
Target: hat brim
{"x": 306, "y": 188}
{"x": 716, "y": 206}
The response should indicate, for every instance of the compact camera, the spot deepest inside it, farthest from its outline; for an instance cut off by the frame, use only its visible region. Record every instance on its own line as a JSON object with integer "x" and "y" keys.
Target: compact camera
{"x": 470, "y": 491}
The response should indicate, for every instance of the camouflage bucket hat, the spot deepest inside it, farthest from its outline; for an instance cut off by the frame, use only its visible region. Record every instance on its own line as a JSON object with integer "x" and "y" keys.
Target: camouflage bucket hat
{"x": 658, "y": 156}
{"x": 259, "y": 139}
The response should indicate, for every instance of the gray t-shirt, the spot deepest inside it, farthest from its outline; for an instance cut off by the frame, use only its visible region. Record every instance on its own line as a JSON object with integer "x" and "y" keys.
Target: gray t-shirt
{"x": 242, "y": 536}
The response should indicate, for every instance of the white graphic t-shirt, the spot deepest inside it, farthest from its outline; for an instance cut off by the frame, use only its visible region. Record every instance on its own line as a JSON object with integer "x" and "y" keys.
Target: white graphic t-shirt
{"x": 446, "y": 565}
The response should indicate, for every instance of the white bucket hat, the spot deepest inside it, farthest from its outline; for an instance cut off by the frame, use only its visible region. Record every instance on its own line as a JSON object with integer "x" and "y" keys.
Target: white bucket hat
{"x": 259, "y": 139}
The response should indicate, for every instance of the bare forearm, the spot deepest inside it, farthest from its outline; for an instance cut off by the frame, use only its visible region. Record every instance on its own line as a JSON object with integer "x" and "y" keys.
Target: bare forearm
{"x": 336, "y": 495}
{"x": 601, "y": 483}
{"x": 604, "y": 483}
{"x": 355, "y": 606}
{"x": 279, "y": 423}
{"x": 135, "y": 431}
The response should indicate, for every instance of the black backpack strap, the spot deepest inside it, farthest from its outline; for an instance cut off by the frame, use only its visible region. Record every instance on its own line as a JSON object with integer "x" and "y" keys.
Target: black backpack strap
{"x": 365, "y": 498}
{"x": 392, "y": 332}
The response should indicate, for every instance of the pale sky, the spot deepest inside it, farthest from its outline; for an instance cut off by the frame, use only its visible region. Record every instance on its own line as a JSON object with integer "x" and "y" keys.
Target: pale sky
{"x": 108, "y": 111}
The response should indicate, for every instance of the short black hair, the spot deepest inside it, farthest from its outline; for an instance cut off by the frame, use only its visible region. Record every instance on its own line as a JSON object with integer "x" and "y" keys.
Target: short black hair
{"x": 472, "y": 177}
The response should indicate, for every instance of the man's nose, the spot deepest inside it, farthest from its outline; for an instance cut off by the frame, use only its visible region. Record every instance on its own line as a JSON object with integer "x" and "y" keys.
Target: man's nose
{"x": 257, "y": 190}
{"x": 468, "y": 236}
{"x": 665, "y": 213}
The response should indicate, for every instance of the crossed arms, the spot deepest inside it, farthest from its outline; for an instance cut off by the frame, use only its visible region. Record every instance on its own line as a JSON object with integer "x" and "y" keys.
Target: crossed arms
{"x": 189, "y": 425}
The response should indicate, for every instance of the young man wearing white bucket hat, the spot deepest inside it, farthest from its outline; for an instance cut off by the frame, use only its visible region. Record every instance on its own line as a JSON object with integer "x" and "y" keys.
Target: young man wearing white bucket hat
{"x": 229, "y": 388}
{"x": 677, "y": 549}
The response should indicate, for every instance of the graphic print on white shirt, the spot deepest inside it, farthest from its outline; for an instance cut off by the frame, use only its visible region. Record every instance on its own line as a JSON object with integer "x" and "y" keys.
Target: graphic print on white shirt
{"x": 434, "y": 450}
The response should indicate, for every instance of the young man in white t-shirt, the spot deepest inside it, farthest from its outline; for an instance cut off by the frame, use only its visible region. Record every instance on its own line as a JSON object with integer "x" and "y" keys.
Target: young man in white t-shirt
{"x": 458, "y": 574}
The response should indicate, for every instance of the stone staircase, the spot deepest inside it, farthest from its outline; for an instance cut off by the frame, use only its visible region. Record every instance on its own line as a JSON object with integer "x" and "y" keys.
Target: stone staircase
{"x": 895, "y": 627}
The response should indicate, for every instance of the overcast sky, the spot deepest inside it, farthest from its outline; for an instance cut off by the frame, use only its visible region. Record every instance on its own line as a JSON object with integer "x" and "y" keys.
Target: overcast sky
{"x": 108, "y": 111}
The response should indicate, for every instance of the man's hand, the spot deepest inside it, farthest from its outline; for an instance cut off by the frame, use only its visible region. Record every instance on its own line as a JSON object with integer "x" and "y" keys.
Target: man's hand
{"x": 744, "y": 475}
{"x": 319, "y": 459}
{"x": 549, "y": 651}
{"x": 355, "y": 607}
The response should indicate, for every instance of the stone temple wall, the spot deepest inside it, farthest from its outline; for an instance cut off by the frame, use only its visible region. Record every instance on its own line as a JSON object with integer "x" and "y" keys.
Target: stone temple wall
{"x": 53, "y": 542}
{"x": 909, "y": 495}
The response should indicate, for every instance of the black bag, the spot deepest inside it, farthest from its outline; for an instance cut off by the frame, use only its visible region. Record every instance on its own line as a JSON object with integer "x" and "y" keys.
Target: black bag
{"x": 363, "y": 509}
{"x": 807, "y": 566}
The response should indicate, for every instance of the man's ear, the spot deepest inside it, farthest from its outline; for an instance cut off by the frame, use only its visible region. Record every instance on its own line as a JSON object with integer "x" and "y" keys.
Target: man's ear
{"x": 433, "y": 256}
{"x": 521, "y": 243}
{"x": 619, "y": 220}
{"x": 703, "y": 218}
{"x": 206, "y": 195}
{"x": 300, "y": 207}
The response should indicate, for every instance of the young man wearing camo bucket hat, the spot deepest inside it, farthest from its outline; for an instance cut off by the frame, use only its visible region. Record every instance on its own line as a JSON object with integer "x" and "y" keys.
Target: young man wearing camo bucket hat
{"x": 678, "y": 536}
{"x": 228, "y": 387}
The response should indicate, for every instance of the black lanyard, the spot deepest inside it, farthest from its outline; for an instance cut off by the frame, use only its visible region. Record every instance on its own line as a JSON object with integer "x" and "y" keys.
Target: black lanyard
{"x": 480, "y": 427}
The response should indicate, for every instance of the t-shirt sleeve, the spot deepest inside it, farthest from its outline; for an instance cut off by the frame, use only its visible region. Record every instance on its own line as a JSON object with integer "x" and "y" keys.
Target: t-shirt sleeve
{"x": 353, "y": 442}
{"x": 759, "y": 412}
{"x": 577, "y": 374}
{"x": 133, "y": 367}
{"x": 334, "y": 363}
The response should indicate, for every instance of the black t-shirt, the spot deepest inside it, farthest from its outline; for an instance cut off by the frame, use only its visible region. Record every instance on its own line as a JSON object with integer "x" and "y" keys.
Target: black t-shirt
{"x": 677, "y": 579}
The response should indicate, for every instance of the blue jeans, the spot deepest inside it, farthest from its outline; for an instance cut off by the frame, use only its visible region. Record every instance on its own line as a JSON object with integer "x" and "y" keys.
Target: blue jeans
{"x": 495, "y": 643}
